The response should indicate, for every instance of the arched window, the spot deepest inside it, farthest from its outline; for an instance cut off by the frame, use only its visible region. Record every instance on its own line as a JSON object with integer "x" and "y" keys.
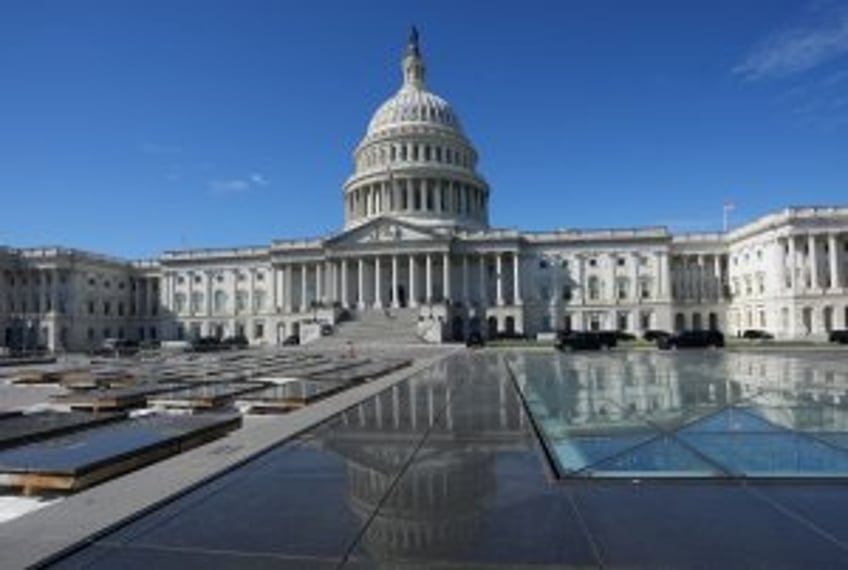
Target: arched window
{"x": 594, "y": 286}
{"x": 179, "y": 302}
{"x": 241, "y": 300}
{"x": 622, "y": 286}
{"x": 259, "y": 298}
{"x": 220, "y": 301}
{"x": 196, "y": 302}
{"x": 645, "y": 288}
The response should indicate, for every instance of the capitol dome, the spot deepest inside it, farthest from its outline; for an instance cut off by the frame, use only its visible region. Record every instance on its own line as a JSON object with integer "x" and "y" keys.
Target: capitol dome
{"x": 415, "y": 161}
{"x": 410, "y": 106}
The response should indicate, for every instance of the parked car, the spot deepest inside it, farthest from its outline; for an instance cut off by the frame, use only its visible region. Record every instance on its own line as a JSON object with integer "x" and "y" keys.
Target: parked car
{"x": 239, "y": 341}
{"x": 692, "y": 339}
{"x": 475, "y": 340}
{"x": 579, "y": 340}
{"x": 206, "y": 344}
{"x": 608, "y": 339}
{"x": 291, "y": 340}
{"x": 651, "y": 335}
{"x": 757, "y": 334}
{"x": 840, "y": 336}
{"x": 116, "y": 347}
{"x": 624, "y": 336}
{"x": 326, "y": 329}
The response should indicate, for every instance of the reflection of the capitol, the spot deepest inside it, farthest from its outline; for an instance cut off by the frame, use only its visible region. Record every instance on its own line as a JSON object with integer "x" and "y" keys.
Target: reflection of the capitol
{"x": 462, "y": 417}
{"x": 600, "y": 392}
{"x": 432, "y": 508}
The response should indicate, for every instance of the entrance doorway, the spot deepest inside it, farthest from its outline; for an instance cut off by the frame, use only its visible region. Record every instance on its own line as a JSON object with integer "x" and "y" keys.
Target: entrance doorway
{"x": 401, "y": 295}
{"x": 492, "y": 326}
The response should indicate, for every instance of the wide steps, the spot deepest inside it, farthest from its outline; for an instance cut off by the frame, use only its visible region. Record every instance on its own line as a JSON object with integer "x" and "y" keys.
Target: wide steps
{"x": 394, "y": 326}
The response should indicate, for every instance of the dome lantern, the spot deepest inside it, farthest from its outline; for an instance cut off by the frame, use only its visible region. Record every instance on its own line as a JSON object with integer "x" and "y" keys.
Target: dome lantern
{"x": 413, "y": 64}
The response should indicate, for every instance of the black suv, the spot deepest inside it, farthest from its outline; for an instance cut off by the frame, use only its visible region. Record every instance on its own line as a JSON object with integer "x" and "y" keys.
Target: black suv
{"x": 206, "y": 344}
{"x": 692, "y": 339}
{"x": 840, "y": 336}
{"x": 239, "y": 341}
{"x": 579, "y": 340}
{"x": 757, "y": 334}
{"x": 651, "y": 335}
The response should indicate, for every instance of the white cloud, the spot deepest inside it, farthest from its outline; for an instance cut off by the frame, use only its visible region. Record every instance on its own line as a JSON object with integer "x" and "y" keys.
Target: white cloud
{"x": 258, "y": 179}
{"x": 798, "y": 49}
{"x": 237, "y": 185}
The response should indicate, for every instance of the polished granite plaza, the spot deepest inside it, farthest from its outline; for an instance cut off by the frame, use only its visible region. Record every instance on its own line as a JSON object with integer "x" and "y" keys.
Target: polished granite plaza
{"x": 621, "y": 465}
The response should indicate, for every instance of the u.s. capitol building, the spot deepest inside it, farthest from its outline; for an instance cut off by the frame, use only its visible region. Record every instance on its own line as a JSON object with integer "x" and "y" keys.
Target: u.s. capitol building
{"x": 417, "y": 260}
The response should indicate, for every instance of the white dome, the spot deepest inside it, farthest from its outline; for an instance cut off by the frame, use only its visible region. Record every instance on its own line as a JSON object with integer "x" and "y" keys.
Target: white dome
{"x": 413, "y": 105}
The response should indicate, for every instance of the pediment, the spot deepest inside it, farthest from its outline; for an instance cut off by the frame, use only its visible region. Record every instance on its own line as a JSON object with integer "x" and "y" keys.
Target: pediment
{"x": 384, "y": 231}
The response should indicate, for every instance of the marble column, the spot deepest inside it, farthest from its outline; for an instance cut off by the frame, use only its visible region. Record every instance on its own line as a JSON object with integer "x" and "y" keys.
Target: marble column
{"x": 662, "y": 275}
{"x": 446, "y": 276}
{"x": 413, "y": 299}
{"x": 319, "y": 289}
{"x": 580, "y": 279}
{"x": 303, "y": 304}
{"x": 814, "y": 262}
{"x": 344, "y": 297}
{"x": 288, "y": 293}
{"x": 499, "y": 277}
{"x": 378, "y": 292}
{"x": 719, "y": 293}
{"x": 833, "y": 253}
{"x": 516, "y": 278}
{"x": 429, "y": 278}
{"x": 360, "y": 296}
{"x": 275, "y": 284}
{"x": 395, "y": 300}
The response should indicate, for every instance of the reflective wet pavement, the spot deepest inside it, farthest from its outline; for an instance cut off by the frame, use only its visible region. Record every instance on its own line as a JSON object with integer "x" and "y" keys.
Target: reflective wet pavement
{"x": 446, "y": 470}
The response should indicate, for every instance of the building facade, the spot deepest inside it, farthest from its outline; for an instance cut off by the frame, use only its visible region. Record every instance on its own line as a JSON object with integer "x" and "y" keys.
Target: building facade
{"x": 417, "y": 245}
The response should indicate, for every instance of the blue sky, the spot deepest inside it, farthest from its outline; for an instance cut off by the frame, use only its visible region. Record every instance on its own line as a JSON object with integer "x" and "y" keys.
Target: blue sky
{"x": 132, "y": 127}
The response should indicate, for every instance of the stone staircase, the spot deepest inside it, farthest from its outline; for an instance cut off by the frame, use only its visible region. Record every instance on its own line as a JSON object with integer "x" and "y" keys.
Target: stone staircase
{"x": 375, "y": 326}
